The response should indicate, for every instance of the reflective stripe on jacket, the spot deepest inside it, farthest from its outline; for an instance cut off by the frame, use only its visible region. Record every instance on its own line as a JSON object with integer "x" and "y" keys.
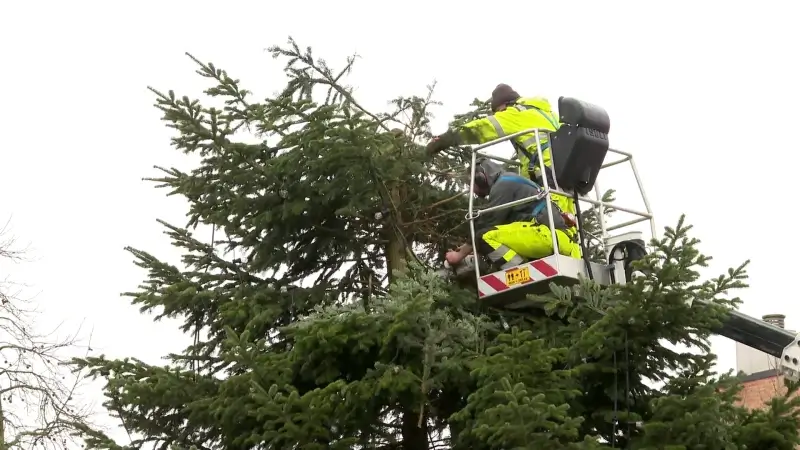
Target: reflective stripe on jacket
{"x": 526, "y": 113}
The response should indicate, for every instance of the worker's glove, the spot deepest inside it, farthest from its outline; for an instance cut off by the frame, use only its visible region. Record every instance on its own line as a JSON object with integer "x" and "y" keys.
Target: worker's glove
{"x": 439, "y": 143}
{"x": 454, "y": 258}
{"x": 434, "y": 146}
{"x": 569, "y": 219}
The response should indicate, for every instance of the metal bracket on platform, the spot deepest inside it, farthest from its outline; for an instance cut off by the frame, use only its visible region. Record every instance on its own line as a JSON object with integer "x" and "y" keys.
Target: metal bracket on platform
{"x": 790, "y": 360}
{"x": 543, "y": 192}
{"x": 472, "y": 216}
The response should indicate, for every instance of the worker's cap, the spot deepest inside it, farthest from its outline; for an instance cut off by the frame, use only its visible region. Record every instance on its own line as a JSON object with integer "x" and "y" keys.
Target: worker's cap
{"x": 503, "y": 94}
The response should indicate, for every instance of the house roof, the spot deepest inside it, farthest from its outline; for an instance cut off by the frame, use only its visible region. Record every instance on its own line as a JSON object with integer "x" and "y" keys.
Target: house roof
{"x": 769, "y": 373}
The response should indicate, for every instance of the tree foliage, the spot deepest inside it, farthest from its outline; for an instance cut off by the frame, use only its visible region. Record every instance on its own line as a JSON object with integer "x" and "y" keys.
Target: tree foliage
{"x": 330, "y": 331}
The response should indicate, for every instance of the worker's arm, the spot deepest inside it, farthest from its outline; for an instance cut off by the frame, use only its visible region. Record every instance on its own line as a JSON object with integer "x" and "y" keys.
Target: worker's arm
{"x": 478, "y": 131}
{"x": 502, "y": 192}
{"x": 481, "y": 131}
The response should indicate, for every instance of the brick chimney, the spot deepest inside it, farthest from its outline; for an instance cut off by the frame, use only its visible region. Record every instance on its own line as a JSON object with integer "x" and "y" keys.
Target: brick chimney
{"x": 775, "y": 319}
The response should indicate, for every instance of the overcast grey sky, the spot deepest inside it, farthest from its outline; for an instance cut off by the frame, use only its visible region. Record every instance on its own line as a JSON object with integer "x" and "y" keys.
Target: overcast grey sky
{"x": 691, "y": 88}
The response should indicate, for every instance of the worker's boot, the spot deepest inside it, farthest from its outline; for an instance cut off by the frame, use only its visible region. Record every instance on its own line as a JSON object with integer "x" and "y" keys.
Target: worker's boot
{"x": 464, "y": 269}
{"x": 466, "y": 266}
{"x": 445, "y": 272}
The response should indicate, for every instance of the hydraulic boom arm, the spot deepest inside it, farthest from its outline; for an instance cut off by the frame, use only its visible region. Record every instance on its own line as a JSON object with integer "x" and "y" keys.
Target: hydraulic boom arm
{"x": 766, "y": 337}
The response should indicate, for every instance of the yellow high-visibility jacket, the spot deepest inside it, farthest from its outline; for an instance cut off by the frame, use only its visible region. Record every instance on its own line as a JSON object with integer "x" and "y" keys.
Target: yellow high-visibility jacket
{"x": 526, "y": 113}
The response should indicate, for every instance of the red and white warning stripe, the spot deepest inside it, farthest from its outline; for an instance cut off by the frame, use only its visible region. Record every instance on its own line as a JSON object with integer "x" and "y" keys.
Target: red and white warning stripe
{"x": 494, "y": 283}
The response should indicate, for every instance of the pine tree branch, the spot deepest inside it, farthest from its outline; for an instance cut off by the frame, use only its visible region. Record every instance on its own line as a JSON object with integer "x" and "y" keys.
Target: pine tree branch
{"x": 327, "y": 78}
{"x": 445, "y": 201}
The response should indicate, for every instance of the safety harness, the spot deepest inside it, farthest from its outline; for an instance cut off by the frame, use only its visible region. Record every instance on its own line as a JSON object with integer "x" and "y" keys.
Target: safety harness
{"x": 539, "y": 205}
{"x": 533, "y": 159}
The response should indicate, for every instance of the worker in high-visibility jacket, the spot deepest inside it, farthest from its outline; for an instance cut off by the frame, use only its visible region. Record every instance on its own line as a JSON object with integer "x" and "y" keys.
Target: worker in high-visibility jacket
{"x": 512, "y": 114}
{"x": 507, "y": 237}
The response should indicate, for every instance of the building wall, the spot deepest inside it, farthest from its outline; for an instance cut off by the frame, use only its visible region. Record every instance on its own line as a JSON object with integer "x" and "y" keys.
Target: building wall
{"x": 761, "y": 381}
{"x": 759, "y": 388}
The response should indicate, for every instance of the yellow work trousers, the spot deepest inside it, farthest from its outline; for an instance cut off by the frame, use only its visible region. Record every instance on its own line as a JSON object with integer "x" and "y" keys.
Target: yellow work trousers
{"x": 510, "y": 244}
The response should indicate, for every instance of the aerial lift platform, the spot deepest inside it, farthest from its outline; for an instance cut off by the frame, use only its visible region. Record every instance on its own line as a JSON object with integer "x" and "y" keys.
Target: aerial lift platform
{"x": 578, "y": 151}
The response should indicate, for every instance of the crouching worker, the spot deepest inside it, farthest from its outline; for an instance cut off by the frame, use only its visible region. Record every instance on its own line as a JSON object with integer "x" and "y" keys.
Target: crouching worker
{"x": 508, "y": 237}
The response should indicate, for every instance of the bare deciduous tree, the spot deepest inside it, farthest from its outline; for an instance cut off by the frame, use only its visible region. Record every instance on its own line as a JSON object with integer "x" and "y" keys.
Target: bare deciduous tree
{"x": 38, "y": 403}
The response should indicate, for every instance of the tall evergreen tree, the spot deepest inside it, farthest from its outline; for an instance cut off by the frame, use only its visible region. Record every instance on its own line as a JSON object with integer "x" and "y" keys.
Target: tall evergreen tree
{"x": 329, "y": 331}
